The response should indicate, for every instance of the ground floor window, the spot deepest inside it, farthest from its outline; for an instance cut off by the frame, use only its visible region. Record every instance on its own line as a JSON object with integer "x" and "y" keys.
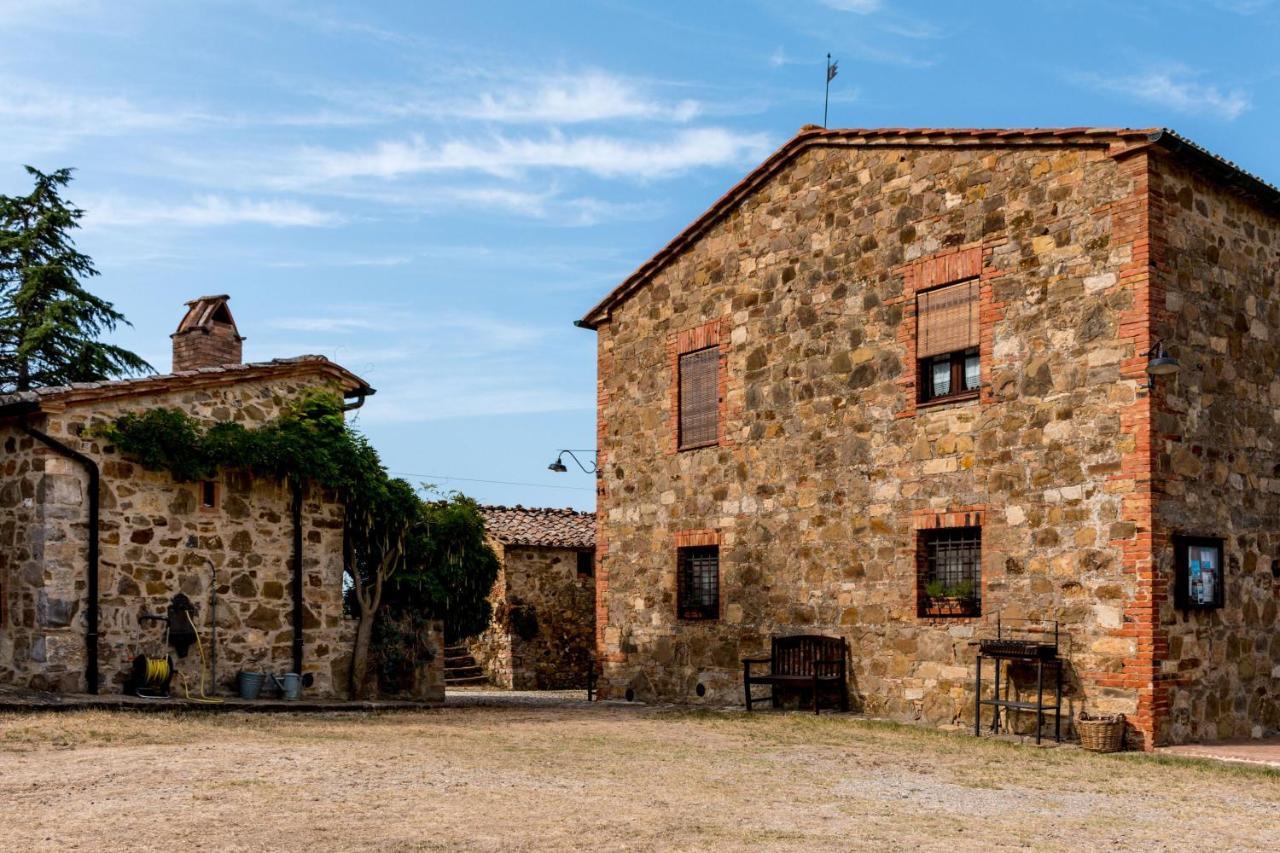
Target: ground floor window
{"x": 698, "y": 582}
{"x": 949, "y": 576}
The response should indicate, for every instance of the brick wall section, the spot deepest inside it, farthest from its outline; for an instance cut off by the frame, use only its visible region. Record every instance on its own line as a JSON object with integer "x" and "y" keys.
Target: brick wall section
{"x": 215, "y": 346}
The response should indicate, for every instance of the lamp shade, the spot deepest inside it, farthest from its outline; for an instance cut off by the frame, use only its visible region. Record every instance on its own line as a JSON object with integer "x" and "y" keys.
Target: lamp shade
{"x": 1163, "y": 365}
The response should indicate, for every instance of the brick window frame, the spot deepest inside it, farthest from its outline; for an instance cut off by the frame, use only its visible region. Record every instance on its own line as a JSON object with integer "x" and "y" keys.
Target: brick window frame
{"x": 951, "y": 266}
{"x": 712, "y": 334}
{"x": 696, "y": 540}
{"x": 924, "y": 524}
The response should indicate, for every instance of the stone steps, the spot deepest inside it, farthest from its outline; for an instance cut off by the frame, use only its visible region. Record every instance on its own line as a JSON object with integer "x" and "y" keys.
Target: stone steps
{"x": 460, "y": 668}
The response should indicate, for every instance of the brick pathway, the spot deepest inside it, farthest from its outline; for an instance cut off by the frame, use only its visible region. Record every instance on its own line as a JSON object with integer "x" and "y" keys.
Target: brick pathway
{"x": 1264, "y": 751}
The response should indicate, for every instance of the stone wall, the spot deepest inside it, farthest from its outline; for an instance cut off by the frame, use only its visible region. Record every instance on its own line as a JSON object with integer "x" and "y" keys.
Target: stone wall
{"x": 157, "y": 540}
{"x": 828, "y": 467}
{"x": 543, "y": 625}
{"x": 1220, "y": 436}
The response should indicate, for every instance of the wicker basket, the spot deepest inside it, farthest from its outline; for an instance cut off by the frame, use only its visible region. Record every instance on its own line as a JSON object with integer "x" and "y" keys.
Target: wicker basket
{"x": 1101, "y": 733}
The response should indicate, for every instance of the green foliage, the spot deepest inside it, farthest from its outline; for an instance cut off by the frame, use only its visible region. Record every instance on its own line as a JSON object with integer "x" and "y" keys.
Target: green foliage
{"x": 524, "y": 620}
{"x": 49, "y": 323}
{"x": 450, "y": 570}
{"x": 400, "y": 649}
{"x": 964, "y": 589}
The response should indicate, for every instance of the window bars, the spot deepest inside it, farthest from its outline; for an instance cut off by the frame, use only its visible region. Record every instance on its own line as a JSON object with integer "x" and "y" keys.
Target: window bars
{"x": 698, "y": 587}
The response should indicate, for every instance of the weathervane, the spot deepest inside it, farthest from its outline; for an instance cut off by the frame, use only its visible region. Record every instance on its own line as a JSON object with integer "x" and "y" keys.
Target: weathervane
{"x": 826, "y": 98}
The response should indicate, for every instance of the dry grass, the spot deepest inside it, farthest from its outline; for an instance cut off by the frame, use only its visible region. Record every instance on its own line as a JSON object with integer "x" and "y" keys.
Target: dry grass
{"x": 594, "y": 777}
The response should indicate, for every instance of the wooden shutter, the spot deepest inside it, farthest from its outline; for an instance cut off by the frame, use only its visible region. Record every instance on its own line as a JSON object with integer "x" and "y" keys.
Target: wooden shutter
{"x": 947, "y": 319}
{"x": 699, "y": 397}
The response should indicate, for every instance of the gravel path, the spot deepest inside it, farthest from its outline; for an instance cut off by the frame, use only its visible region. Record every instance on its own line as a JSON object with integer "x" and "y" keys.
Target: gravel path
{"x": 538, "y": 774}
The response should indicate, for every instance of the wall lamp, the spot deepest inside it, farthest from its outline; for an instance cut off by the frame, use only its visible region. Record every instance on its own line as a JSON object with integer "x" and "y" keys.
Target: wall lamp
{"x": 559, "y": 467}
{"x": 1160, "y": 363}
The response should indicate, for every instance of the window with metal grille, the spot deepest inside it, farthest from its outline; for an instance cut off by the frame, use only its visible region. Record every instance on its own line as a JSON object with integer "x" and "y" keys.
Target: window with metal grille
{"x": 950, "y": 576}
{"x": 698, "y": 587}
{"x": 699, "y": 398}
{"x": 947, "y": 336}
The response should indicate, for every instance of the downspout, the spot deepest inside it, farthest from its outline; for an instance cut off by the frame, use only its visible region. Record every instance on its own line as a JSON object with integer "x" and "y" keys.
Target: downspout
{"x": 296, "y": 486}
{"x": 91, "y": 616}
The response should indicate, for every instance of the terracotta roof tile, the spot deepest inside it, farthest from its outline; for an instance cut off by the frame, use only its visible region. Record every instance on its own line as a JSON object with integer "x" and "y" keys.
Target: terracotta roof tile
{"x": 540, "y": 527}
{"x": 82, "y": 391}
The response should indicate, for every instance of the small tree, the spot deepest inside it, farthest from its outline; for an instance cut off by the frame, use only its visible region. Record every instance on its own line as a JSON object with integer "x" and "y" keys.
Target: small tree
{"x": 382, "y": 518}
{"x": 49, "y": 323}
{"x": 450, "y": 571}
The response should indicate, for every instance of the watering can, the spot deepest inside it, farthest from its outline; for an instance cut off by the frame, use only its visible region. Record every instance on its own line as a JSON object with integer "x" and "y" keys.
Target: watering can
{"x": 290, "y": 685}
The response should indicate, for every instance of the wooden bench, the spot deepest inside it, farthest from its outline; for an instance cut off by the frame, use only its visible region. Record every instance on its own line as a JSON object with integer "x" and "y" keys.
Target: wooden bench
{"x": 803, "y": 662}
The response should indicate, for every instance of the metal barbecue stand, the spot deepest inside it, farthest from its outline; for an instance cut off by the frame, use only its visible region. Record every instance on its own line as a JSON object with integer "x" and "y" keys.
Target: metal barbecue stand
{"x": 1026, "y": 648}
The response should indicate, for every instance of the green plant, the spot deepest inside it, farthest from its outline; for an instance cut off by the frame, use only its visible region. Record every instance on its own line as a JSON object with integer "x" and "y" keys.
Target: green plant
{"x": 935, "y": 589}
{"x": 964, "y": 589}
{"x": 524, "y": 621}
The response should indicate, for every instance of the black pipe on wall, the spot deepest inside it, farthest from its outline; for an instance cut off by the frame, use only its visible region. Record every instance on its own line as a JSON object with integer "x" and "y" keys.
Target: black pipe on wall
{"x": 91, "y": 615}
{"x": 296, "y": 584}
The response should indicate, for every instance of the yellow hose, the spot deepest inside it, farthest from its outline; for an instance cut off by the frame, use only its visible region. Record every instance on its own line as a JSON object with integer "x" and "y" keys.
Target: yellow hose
{"x": 208, "y": 700}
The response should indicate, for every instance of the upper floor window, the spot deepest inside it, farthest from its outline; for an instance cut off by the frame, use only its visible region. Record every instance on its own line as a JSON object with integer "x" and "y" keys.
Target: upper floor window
{"x": 699, "y": 398}
{"x": 698, "y": 582}
{"x": 947, "y": 340}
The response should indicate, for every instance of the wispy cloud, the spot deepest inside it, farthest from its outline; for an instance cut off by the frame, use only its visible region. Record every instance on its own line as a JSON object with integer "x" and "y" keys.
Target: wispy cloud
{"x": 572, "y": 99}
{"x": 1175, "y": 90}
{"x": 203, "y": 211}
{"x": 602, "y": 156}
{"x": 858, "y": 7}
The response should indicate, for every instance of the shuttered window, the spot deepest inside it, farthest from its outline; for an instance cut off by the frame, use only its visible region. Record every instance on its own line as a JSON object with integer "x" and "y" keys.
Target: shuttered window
{"x": 947, "y": 319}
{"x": 699, "y": 398}
{"x": 698, "y": 593}
{"x": 947, "y": 334}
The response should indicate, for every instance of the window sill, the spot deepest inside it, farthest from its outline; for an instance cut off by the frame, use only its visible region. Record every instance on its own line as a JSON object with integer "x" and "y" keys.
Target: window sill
{"x": 682, "y": 448}
{"x": 950, "y": 399}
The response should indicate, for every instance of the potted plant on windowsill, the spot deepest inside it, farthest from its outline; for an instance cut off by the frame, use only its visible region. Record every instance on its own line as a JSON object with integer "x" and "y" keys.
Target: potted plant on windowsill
{"x": 960, "y": 599}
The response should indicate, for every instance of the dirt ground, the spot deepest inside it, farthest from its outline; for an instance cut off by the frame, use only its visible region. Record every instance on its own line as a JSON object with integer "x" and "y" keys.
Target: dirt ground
{"x": 595, "y": 777}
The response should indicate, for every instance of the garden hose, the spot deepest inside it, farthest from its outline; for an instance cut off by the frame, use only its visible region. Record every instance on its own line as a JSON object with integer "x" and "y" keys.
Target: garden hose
{"x": 186, "y": 689}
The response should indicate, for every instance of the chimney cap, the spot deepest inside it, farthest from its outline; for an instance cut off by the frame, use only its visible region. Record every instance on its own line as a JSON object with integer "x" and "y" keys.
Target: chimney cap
{"x": 204, "y": 312}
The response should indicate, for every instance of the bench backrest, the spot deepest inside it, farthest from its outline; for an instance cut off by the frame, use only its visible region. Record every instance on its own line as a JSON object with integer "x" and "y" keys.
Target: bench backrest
{"x": 795, "y": 655}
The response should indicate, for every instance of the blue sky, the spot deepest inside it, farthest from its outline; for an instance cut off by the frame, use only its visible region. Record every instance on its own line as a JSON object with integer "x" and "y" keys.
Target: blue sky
{"x": 432, "y": 192}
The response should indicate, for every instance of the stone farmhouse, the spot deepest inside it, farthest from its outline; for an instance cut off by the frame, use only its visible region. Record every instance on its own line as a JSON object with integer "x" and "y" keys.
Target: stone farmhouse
{"x": 893, "y": 370}
{"x": 90, "y": 542}
{"x": 543, "y": 631}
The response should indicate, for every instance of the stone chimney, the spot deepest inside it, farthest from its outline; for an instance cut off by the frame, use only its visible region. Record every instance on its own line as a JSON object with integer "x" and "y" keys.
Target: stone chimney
{"x": 207, "y": 336}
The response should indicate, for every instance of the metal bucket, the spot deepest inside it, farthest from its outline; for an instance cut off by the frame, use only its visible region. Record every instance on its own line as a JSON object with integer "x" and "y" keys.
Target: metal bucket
{"x": 249, "y": 684}
{"x": 290, "y": 685}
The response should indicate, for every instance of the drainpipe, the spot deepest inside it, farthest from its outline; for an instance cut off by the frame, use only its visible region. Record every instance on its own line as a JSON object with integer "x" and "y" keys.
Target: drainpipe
{"x": 91, "y": 617}
{"x": 296, "y": 487}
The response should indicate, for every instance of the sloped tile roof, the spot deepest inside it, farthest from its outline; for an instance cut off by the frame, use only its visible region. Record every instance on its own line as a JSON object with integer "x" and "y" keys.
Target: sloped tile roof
{"x": 540, "y": 527}
{"x": 62, "y": 395}
{"x": 1117, "y": 139}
